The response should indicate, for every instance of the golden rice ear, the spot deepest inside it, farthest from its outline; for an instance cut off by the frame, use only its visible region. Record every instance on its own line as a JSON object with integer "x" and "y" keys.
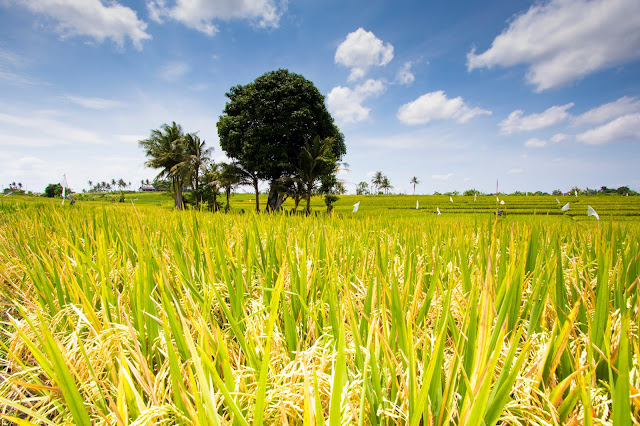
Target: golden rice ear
{"x": 120, "y": 314}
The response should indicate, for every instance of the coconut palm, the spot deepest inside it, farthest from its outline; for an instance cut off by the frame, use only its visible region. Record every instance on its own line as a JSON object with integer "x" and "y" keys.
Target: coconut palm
{"x": 376, "y": 181}
{"x": 197, "y": 156}
{"x": 313, "y": 161}
{"x": 386, "y": 184}
{"x": 230, "y": 176}
{"x": 165, "y": 150}
{"x": 414, "y": 181}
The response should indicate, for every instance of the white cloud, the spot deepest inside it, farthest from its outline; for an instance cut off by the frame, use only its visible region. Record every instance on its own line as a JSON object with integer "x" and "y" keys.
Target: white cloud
{"x": 622, "y": 129}
{"x": 516, "y": 122}
{"x": 9, "y": 62}
{"x": 93, "y": 103}
{"x": 19, "y": 168}
{"x": 515, "y": 171}
{"x": 14, "y": 78}
{"x": 564, "y": 40}
{"x": 436, "y": 106}
{"x": 93, "y": 19}
{"x": 200, "y": 14}
{"x": 559, "y": 137}
{"x": 535, "y": 143}
{"x": 404, "y": 75}
{"x": 174, "y": 71}
{"x": 623, "y": 106}
{"x": 446, "y": 176}
{"x": 345, "y": 104}
{"x": 30, "y": 130}
{"x": 362, "y": 50}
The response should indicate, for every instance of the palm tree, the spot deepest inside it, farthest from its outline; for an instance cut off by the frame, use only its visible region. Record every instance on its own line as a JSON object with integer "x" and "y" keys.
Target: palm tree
{"x": 414, "y": 181}
{"x": 212, "y": 182}
{"x": 312, "y": 163}
{"x": 165, "y": 150}
{"x": 386, "y": 184}
{"x": 230, "y": 176}
{"x": 197, "y": 156}
{"x": 90, "y": 184}
{"x": 376, "y": 181}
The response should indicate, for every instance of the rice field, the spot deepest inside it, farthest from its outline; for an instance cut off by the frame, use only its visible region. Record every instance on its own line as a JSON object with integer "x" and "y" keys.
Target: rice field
{"x": 123, "y": 314}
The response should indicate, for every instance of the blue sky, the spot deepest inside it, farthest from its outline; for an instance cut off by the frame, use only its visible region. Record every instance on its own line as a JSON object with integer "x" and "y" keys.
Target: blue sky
{"x": 539, "y": 95}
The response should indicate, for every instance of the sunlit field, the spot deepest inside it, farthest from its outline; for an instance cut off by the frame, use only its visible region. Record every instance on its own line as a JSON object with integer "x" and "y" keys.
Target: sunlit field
{"x": 133, "y": 314}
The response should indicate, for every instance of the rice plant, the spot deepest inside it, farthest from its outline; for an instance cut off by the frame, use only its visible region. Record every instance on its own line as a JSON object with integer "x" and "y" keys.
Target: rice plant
{"x": 117, "y": 315}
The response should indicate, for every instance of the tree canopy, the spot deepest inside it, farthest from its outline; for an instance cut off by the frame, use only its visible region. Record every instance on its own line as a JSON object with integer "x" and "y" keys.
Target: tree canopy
{"x": 267, "y": 123}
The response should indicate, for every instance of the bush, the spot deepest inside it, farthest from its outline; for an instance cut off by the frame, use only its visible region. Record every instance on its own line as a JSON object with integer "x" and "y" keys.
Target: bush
{"x": 53, "y": 190}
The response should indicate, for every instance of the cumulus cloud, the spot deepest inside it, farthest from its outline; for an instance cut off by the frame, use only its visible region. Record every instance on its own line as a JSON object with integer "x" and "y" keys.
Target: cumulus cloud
{"x": 201, "y": 14}
{"x": 436, "y": 106}
{"x": 622, "y": 129}
{"x": 362, "y": 50}
{"x": 535, "y": 143}
{"x": 404, "y": 75}
{"x": 345, "y": 104}
{"x": 559, "y": 137}
{"x": 517, "y": 122}
{"x": 446, "y": 176}
{"x": 93, "y": 19}
{"x": 93, "y": 103}
{"x": 564, "y": 40}
{"x": 609, "y": 111}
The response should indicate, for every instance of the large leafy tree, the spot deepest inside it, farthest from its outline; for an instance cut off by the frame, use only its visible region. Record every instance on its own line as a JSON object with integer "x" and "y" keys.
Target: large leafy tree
{"x": 266, "y": 123}
{"x": 165, "y": 150}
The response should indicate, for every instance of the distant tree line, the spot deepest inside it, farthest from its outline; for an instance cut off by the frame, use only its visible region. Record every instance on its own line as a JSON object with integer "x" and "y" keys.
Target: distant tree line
{"x": 106, "y": 186}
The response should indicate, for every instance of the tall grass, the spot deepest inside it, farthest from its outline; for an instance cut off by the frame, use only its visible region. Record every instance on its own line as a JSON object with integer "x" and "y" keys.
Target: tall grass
{"x": 128, "y": 317}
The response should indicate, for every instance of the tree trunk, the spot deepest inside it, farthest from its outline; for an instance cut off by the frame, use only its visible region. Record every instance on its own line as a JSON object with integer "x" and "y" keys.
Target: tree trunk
{"x": 227, "y": 192}
{"x": 308, "y": 199}
{"x": 275, "y": 199}
{"x": 197, "y": 188}
{"x": 257, "y": 191}
{"x": 296, "y": 201}
{"x": 177, "y": 187}
{"x": 215, "y": 199}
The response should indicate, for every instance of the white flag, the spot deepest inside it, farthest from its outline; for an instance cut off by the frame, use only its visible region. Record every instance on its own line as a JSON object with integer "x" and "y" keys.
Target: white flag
{"x": 475, "y": 197}
{"x": 557, "y": 200}
{"x": 497, "y": 199}
{"x": 502, "y": 202}
{"x": 64, "y": 188}
{"x": 355, "y": 207}
{"x": 417, "y": 204}
{"x": 592, "y": 212}
{"x": 565, "y": 207}
{"x": 451, "y": 199}
{"x": 575, "y": 192}
{"x": 438, "y": 209}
